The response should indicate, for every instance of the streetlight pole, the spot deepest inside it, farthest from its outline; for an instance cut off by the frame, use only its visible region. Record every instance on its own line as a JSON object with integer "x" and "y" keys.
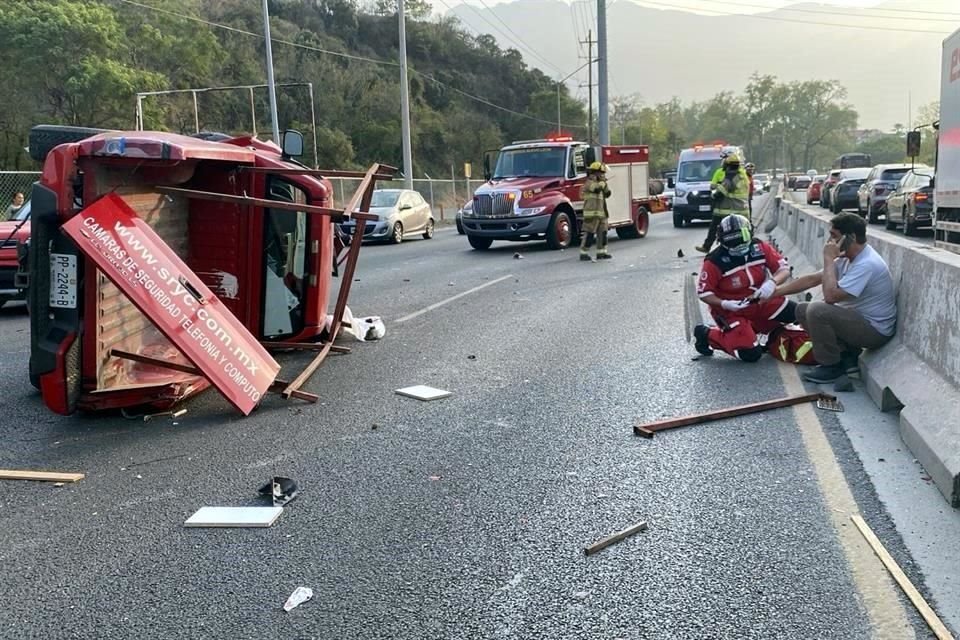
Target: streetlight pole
{"x": 405, "y": 100}
{"x": 271, "y": 83}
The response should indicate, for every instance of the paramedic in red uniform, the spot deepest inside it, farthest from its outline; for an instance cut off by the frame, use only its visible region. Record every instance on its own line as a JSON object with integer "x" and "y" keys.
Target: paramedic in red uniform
{"x": 737, "y": 280}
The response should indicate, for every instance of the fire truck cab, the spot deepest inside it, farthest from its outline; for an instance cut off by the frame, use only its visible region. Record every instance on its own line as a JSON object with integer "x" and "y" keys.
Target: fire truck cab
{"x": 533, "y": 192}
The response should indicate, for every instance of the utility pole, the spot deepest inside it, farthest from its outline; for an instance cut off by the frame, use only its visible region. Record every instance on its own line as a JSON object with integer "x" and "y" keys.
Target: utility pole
{"x": 589, "y": 44}
{"x": 603, "y": 122}
{"x": 404, "y": 99}
{"x": 271, "y": 83}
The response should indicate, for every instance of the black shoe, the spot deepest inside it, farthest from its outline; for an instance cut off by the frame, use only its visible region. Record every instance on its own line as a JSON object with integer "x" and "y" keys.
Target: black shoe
{"x": 701, "y": 341}
{"x": 604, "y": 256}
{"x": 851, "y": 362}
{"x": 822, "y": 374}
{"x": 585, "y": 258}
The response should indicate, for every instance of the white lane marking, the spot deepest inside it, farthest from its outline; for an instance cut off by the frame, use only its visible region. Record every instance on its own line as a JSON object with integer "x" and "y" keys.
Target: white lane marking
{"x": 436, "y": 305}
{"x": 875, "y": 586}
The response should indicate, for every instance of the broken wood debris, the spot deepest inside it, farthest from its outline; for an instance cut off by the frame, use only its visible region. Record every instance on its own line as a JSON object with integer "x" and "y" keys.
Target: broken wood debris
{"x": 930, "y": 617}
{"x": 41, "y": 476}
{"x": 615, "y": 538}
{"x": 824, "y": 401}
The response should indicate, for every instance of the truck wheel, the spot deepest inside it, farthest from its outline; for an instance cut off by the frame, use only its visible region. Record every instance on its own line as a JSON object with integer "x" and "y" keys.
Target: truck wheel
{"x": 460, "y": 228}
{"x": 396, "y": 237}
{"x": 639, "y": 227}
{"x": 45, "y": 137}
{"x": 677, "y": 220}
{"x": 480, "y": 243}
{"x": 560, "y": 232}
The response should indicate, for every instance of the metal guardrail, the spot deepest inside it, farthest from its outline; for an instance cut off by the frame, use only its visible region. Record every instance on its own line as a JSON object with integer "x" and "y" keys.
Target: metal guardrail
{"x": 12, "y": 182}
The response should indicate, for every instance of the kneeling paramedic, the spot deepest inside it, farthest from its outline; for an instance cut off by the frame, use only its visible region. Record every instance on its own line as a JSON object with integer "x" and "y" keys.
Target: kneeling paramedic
{"x": 594, "y": 195}
{"x": 737, "y": 281}
{"x": 731, "y": 196}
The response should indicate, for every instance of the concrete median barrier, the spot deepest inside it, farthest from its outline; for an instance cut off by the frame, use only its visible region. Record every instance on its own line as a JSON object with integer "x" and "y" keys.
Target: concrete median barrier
{"x": 919, "y": 370}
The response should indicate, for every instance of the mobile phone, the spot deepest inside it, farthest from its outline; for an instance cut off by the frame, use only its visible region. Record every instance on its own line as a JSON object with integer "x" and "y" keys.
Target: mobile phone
{"x": 845, "y": 242}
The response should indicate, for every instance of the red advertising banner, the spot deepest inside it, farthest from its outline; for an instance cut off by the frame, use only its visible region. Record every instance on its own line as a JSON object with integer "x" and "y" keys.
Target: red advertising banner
{"x": 158, "y": 282}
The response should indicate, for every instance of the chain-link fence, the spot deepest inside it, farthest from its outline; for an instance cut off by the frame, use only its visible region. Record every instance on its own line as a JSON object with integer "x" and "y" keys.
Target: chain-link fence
{"x": 444, "y": 196}
{"x": 13, "y": 182}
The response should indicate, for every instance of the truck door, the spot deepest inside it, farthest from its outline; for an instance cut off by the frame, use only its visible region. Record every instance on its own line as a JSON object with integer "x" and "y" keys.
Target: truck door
{"x": 285, "y": 242}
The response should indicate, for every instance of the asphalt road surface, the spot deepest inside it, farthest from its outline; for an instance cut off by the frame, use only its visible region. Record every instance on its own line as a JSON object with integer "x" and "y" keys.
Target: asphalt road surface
{"x": 466, "y": 517}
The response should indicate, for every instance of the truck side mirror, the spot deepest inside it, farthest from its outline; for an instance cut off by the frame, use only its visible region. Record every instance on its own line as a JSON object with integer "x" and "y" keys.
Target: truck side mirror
{"x": 589, "y": 156}
{"x": 671, "y": 183}
{"x": 292, "y": 143}
{"x": 913, "y": 144}
{"x": 487, "y": 174}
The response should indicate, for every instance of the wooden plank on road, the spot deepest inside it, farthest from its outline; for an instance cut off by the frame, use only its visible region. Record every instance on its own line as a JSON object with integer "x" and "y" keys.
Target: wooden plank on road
{"x": 42, "y": 476}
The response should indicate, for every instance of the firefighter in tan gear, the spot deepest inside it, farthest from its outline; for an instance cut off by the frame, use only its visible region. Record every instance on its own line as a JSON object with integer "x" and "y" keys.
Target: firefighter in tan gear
{"x": 731, "y": 195}
{"x": 594, "y": 195}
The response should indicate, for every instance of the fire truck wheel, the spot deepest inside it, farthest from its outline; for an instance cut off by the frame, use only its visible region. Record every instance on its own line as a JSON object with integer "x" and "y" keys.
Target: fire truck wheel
{"x": 428, "y": 232}
{"x": 639, "y": 227}
{"x": 480, "y": 244}
{"x": 397, "y": 236}
{"x": 560, "y": 232}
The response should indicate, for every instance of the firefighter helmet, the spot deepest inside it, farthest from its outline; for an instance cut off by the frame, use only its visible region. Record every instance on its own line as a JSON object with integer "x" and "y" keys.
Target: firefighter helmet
{"x": 731, "y": 159}
{"x": 735, "y": 234}
{"x": 597, "y": 166}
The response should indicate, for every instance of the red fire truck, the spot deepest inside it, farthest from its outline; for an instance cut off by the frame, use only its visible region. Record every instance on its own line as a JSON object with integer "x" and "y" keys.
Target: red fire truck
{"x": 160, "y": 264}
{"x": 533, "y": 192}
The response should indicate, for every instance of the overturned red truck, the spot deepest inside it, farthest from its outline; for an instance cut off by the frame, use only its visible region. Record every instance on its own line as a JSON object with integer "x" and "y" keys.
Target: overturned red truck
{"x": 160, "y": 264}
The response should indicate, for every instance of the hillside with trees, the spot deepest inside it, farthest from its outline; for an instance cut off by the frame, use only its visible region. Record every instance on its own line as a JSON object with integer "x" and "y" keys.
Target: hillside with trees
{"x": 82, "y": 62}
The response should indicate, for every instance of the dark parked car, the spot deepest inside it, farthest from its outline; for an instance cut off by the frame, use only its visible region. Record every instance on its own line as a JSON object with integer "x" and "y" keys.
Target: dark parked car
{"x": 882, "y": 181}
{"x": 911, "y": 205}
{"x": 832, "y": 178}
{"x": 843, "y": 195}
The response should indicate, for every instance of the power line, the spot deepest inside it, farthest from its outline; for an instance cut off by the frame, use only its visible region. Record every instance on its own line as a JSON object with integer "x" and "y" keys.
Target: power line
{"x": 828, "y": 13}
{"x": 498, "y": 30}
{"x": 825, "y": 24}
{"x": 342, "y": 55}
{"x": 257, "y": 35}
{"x": 500, "y": 20}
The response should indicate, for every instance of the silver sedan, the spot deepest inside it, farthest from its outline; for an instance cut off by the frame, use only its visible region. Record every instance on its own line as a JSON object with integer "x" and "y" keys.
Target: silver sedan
{"x": 401, "y": 213}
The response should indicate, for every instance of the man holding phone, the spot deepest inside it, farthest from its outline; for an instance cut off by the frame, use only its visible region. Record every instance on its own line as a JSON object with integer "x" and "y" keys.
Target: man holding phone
{"x": 859, "y": 308}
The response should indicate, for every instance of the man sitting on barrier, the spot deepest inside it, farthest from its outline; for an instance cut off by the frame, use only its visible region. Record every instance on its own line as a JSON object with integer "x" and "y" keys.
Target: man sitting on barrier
{"x": 738, "y": 280}
{"x": 859, "y": 308}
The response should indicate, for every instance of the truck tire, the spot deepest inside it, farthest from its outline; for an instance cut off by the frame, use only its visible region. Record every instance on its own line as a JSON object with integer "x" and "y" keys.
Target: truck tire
{"x": 561, "y": 230}
{"x": 639, "y": 227}
{"x": 678, "y": 220}
{"x": 44, "y": 137}
{"x": 480, "y": 243}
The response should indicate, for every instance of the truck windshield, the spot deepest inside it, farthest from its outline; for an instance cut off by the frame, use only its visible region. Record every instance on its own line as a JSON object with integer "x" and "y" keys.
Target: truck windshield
{"x": 284, "y": 249}
{"x": 536, "y": 161}
{"x": 698, "y": 170}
